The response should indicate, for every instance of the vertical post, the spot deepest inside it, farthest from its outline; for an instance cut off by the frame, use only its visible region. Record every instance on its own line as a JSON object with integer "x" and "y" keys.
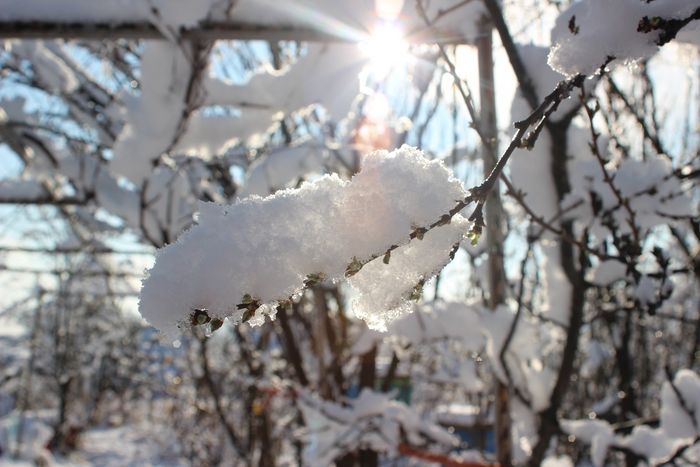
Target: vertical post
{"x": 494, "y": 222}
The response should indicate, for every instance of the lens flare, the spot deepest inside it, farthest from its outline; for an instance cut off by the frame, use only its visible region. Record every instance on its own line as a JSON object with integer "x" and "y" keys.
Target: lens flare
{"x": 386, "y": 47}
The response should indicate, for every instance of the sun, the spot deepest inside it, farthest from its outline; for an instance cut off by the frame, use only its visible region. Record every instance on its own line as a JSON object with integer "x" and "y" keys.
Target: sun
{"x": 386, "y": 47}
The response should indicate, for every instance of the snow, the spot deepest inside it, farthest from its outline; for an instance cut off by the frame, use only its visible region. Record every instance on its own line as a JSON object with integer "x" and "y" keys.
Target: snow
{"x": 595, "y": 355}
{"x": 118, "y": 200}
{"x": 645, "y": 292}
{"x": 544, "y": 80}
{"x": 171, "y": 12}
{"x": 49, "y": 69}
{"x": 388, "y": 286}
{"x": 558, "y": 288}
{"x": 143, "y": 443}
{"x": 209, "y": 136}
{"x": 557, "y": 461}
{"x": 14, "y": 108}
{"x": 678, "y": 427}
{"x": 161, "y": 216}
{"x": 608, "y": 28}
{"x": 441, "y": 320}
{"x": 152, "y": 119}
{"x": 604, "y": 405}
{"x": 650, "y": 443}
{"x": 690, "y": 34}
{"x": 476, "y": 328}
{"x": 265, "y": 248}
{"x": 531, "y": 172}
{"x": 525, "y": 353}
{"x": 281, "y": 167}
{"x": 676, "y": 422}
{"x": 524, "y": 422}
{"x": 457, "y": 414}
{"x": 437, "y": 324}
{"x": 36, "y": 433}
{"x": 649, "y": 185}
{"x": 10, "y": 330}
{"x": 130, "y": 445}
{"x": 372, "y": 420}
{"x": 607, "y": 272}
{"x": 539, "y": 381}
{"x": 327, "y": 74}
{"x": 598, "y": 433}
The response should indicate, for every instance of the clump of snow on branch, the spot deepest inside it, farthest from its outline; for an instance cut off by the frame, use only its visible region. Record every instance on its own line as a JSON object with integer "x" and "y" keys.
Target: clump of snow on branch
{"x": 327, "y": 74}
{"x": 372, "y": 421}
{"x": 591, "y": 31}
{"x": 152, "y": 118}
{"x": 262, "y": 250}
{"x": 678, "y": 430}
{"x": 164, "y": 117}
{"x": 48, "y": 67}
{"x": 531, "y": 173}
{"x": 386, "y": 286}
{"x": 652, "y": 190}
{"x": 484, "y": 331}
{"x": 607, "y": 272}
{"x": 598, "y": 433}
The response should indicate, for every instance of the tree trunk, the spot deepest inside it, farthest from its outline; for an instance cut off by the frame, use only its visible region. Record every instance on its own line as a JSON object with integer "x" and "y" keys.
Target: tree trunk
{"x": 494, "y": 223}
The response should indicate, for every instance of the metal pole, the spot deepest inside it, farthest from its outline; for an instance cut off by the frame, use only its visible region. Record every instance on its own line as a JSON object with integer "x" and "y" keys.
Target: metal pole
{"x": 205, "y": 31}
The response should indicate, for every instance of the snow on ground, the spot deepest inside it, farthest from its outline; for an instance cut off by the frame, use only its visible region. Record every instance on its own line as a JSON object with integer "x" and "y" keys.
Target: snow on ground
{"x": 125, "y": 446}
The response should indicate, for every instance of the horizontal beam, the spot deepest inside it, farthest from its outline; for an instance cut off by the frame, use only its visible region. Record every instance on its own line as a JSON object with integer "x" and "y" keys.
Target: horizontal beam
{"x": 73, "y": 250}
{"x": 71, "y": 273}
{"x": 207, "y": 31}
{"x": 44, "y": 200}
